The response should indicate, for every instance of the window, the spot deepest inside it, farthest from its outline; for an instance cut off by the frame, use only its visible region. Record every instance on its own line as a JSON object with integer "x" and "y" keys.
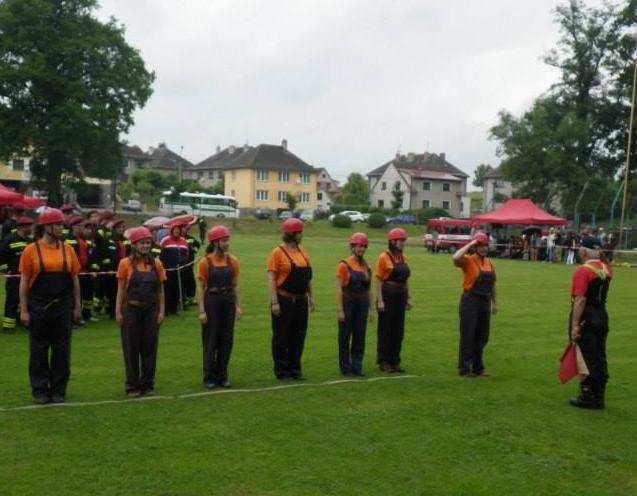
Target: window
{"x": 304, "y": 197}
{"x": 383, "y": 186}
{"x": 446, "y": 187}
{"x": 262, "y": 175}
{"x": 426, "y": 204}
{"x": 232, "y": 193}
{"x": 262, "y": 194}
{"x": 233, "y": 175}
{"x": 397, "y": 185}
{"x": 304, "y": 177}
{"x": 284, "y": 176}
{"x": 18, "y": 165}
{"x": 381, "y": 203}
{"x": 200, "y": 175}
{"x": 211, "y": 175}
{"x": 426, "y": 186}
{"x": 282, "y": 196}
{"x": 446, "y": 205}
{"x": 319, "y": 196}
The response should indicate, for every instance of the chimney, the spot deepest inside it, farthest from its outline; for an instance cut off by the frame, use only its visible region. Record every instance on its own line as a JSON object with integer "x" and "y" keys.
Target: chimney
{"x": 443, "y": 157}
{"x": 284, "y": 144}
{"x": 246, "y": 147}
{"x": 162, "y": 145}
{"x": 218, "y": 149}
{"x": 411, "y": 157}
{"x": 231, "y": 149}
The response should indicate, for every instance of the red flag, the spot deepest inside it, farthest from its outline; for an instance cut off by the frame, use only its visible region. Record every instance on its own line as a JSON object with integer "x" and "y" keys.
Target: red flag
{"x": 572, "y": 364}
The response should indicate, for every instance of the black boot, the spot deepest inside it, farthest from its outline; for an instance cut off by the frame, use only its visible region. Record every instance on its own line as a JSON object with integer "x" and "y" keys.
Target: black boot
{"x": 601, "y": 396}
{"x": 586, "y": 399}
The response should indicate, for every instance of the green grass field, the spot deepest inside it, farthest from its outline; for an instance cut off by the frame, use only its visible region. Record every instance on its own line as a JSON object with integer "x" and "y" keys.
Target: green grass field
{"x": 433, "y": 433}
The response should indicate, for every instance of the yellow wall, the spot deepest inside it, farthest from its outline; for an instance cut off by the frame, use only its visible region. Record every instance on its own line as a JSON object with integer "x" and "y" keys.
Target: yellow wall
{"x": 244, "y": 183}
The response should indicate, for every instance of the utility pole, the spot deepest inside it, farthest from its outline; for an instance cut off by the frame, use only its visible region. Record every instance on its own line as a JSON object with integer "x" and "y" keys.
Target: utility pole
{"x": 628, "y": 150}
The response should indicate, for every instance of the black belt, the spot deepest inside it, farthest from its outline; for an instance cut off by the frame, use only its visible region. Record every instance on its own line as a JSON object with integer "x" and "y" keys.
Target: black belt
{"x": 291, "y": 296}
{"x": 356, "y": 296}
{"x": 222, "y": 291}
{"x": 138, "y": 304}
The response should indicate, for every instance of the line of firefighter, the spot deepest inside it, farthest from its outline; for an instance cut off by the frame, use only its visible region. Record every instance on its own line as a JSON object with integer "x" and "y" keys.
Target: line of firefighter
{"x": 289, "y": 276}
{"x": 99, "y": 244}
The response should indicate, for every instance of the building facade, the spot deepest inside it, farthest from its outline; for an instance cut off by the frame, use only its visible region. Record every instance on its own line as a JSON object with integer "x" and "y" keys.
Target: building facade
{"x": 327, "y": 189}
{"x": 495, "y": 190}
{"x": 260, "y": 177}
{"x": 426, "y": 180}
{"x": 165, "y": 161}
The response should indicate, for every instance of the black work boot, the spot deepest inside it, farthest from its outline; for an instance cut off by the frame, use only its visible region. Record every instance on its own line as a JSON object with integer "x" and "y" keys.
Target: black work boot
{"x": 601, "y": 396}
{"x": 586, "y": 399}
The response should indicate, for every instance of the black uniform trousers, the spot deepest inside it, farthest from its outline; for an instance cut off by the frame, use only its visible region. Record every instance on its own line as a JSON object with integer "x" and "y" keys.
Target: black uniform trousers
{"x": 217, "y": 336}
{"x": 110, "y": 293}
{"x": 87, "y": 291}
{"x": 288, "y": 335}
{"x": 592, "y": 343}
{"x": 475, "y": 319}
{"x": 140, "y": 337}
{"x": 12, "y": 299}
{"x": 391, "y": 327}
{"x": 50, "y": 329}
{"x": 188, "y": 280}
{"x": 171, "y": 291}
{"x": 351, "y": 334}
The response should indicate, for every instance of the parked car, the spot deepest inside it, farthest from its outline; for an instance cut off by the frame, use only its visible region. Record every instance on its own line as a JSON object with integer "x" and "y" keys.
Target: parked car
{"x": 403, "y": 219}
{"x": 306, "y": 215}
{"x": 262, "y": 214}
{"x": 285, "y": 214}
{"x": 132, "y": 206}
{"x": 354, "y": 215}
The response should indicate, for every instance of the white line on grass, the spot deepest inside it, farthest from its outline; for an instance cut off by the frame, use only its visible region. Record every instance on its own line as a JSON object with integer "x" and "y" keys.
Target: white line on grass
{"x": 206, "y": 393}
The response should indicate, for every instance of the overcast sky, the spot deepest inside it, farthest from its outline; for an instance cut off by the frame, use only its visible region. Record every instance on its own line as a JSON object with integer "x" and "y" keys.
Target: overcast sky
{"x": 347, "y": 83}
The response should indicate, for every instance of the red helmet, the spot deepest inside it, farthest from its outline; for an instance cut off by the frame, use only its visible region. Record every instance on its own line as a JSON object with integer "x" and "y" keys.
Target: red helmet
{"x": 51, "y": 216}
{"x": 218, "y": 232}
{"x": 25, "y": 221}
{"x": 115, "y": 223}
{"x": 76, "y": 219}
{"x": 481, "y": 238}
{"x": 107, "y": 215}
{"x": 397, "y": 233}
{"x": 292, "y": 225}
{"x": 358, "y": 239}
{"x": 138, "y": 233}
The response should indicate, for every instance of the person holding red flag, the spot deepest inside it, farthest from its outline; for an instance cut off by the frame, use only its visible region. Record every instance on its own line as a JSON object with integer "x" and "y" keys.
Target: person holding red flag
{"x": 49, "y": 301}
{"x": 477, "y": 303}
{"x": 290, "y": 284}
{"x": 219, "y": 304}
{"x": 139, "y": 311}
{"x": 353, "y": 281}
{"x": 588, "y": 322}
{"x": 392, "y": 300}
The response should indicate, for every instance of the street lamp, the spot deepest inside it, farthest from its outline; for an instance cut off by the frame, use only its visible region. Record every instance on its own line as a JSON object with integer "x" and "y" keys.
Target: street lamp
{"x": 628, "y": 150}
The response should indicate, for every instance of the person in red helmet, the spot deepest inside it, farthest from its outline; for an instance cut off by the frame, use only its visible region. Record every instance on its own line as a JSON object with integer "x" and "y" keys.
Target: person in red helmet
{"x": 219, "y": 303}
{"x": 353, "y": 280}
{"x": 290, "y": 283}
{"x": 174, "y": 256}
{"x": 49, "y": 301}
{"x": 139, "y": 310}
{"x": 477, "y": 303}
{"x": 113, "y": 251}
{"x": 392, "y": 299}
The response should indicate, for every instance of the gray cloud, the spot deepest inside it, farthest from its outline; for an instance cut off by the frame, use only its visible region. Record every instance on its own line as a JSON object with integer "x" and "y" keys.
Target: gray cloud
{"x": 346, "y": 82}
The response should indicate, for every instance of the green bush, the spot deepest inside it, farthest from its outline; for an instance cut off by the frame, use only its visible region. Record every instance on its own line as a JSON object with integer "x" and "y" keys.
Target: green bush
{"x": 424, "y": 214}
{"x": 376, "y": 220}
{"x": 341, "y": 221}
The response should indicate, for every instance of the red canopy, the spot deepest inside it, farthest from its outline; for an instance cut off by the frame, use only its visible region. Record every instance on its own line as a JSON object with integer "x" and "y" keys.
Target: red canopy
{"x": 29, "y": 202}
{"x": 8, "y": 196}
{"x": 519, "y": 211}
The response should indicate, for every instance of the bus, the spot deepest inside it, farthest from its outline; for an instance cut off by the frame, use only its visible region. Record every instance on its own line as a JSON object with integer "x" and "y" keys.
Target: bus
{"x": 201, "y": 204}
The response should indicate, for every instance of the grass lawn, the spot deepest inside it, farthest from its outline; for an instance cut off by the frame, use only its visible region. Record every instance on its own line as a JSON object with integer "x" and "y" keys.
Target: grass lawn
{"x": 433, "y": 433}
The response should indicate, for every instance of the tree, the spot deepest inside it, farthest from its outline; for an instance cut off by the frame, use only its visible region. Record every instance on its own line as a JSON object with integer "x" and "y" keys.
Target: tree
{"x": 397, "y": 196}
{"x": 69, "y": 85}
{"x": 481, "y": 171}
{"x": 574, "y": 135}
{"x": 291, "y": 201}
{"x": 219, "y": 188}
{"x": 355, "y": 191}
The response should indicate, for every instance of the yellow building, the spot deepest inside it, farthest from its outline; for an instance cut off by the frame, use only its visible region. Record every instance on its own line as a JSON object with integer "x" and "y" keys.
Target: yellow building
{"x": 260, "y": 177}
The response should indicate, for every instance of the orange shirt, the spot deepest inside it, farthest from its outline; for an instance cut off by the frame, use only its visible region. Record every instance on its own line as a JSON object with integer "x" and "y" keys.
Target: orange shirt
{"x": 471, "y": 266}
{"x": 343, "y": 273}
{"x": 279, "y": 263}
{"x": 52, "y": 258}
{"x": 125, "y": 269}
{"x": 202, "y": 268}
{"x": 385, "y": 264}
